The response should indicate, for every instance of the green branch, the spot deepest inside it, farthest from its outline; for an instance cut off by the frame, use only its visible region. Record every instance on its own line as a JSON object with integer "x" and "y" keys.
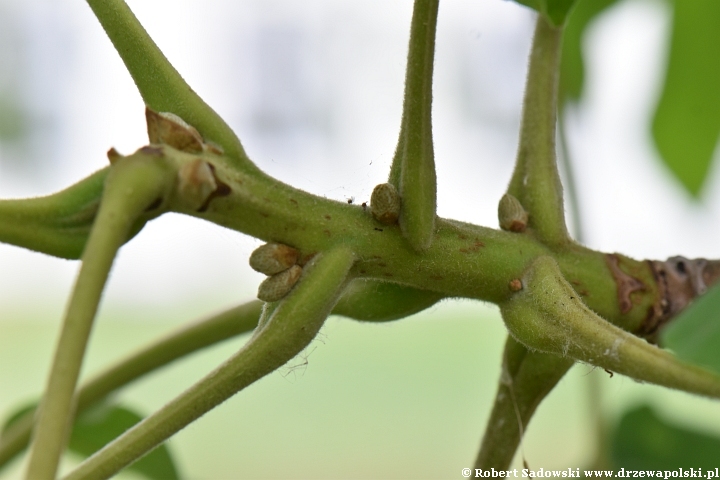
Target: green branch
{"x": 188, "y": 339}
{"x": 365, "y": 300}
{"x": 535, "y": 181}
{"x": 526, "y": 378}
{"x": 525, "y": 274}
{"x": 57, "y": 224}
{"x": 464, "y": 260}
{"x": 413, "y": 167}
{"x": 161, "y": 86}
{"x": 547, "y": 315}
{"x": 130, "y": 187}
{"x": 290, "y": 327}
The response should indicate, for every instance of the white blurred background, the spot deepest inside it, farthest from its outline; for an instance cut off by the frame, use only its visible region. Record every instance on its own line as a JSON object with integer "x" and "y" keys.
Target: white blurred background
{"x": 314, "y": 91}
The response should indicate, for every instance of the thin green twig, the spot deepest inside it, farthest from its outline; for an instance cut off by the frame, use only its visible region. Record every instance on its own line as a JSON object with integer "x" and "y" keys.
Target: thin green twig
{"x": 526, "y": 379}
{"x": 365, "y": 300}
{"x": 289, "y": 328}
{"x": 188, "y": 339}
{"x": 130, "y": 188}
{"x": 535, "y": 181}
{"x": 413, "y": 167}
{"x": 161, "y": 86}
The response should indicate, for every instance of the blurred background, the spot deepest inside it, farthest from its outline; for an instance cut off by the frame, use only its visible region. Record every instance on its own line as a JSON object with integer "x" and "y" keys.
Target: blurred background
{"x": 314, "y": 91}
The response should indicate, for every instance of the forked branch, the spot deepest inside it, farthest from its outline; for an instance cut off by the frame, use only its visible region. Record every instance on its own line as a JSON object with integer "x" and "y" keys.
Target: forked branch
{"x": 535, "y": 181}
{"x": 161, "y": 86}
{"x": 285, "y": 329}
{"x": 138, "y": 183}
{"x": 547, "y": 315}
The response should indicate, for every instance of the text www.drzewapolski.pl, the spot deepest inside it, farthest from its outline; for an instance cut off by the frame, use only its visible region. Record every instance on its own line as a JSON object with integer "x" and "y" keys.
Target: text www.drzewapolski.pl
{"x": 577, "y": 473}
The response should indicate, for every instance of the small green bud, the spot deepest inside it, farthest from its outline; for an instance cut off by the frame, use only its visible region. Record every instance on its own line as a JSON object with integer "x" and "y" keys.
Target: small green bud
{"x": 276, "y": 287}
{"x": 385, "y": 204}
{"x": 511, "y": 214}
{"x": 273, "y": 258}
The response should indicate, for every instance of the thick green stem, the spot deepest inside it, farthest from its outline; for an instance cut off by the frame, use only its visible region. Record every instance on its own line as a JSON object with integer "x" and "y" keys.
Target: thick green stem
{"x": 526, "y": 378}
{"x": 57, "y": 224}
{"x": 535, "y": 181}
{"x": 464, "y": 260}
{"x": 161, "y": 86}
{"x": 129, "y": 189}
{"x": 547, "y": 315}
{"x": 291, "y": 326}
{"x": 413, "y": 168}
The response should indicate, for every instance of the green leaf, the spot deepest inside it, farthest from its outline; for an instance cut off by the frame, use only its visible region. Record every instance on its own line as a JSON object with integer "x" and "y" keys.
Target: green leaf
{"x": 99, "y": 426}
{"x": 643, "y": 441}
{"x": 572, "y": 66}
{"x": 374, "y": 301}
{"x": 16, "y": 415}
{"x": 554, "y": 10}
{"x": 687, "y": 121}
{"x": 694, "y": 335}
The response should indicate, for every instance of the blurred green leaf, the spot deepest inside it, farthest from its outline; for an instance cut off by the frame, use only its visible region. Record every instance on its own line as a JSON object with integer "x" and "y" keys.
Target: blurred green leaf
{"x": 572, "y": 67}
{"x": 694, "y": 335}
{"x": 16, "y": 415}
{"x": 554, "y": 10}
{"x": 98, "y": 426}
{"x": 687, "y": 121}
{"x": 643, "y": 441}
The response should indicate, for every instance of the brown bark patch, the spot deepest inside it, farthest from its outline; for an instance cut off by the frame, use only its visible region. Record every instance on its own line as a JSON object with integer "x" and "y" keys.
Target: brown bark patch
{"x": 626, "y": 284}
{"x": 679, "y": 281}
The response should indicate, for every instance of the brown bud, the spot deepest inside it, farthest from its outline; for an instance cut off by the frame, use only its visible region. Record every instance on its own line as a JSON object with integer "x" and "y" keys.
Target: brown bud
{"x": 511, "y": 214}
{"x": 273, "y": 258}
{"x": 113, "y": 155}
{"x": 515, "y": 285}
{"x": 385, "y": 204}
{"x": 169, "y": 129}
{"x": 276, "y": 287}
{"x": 196, "y": 183}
